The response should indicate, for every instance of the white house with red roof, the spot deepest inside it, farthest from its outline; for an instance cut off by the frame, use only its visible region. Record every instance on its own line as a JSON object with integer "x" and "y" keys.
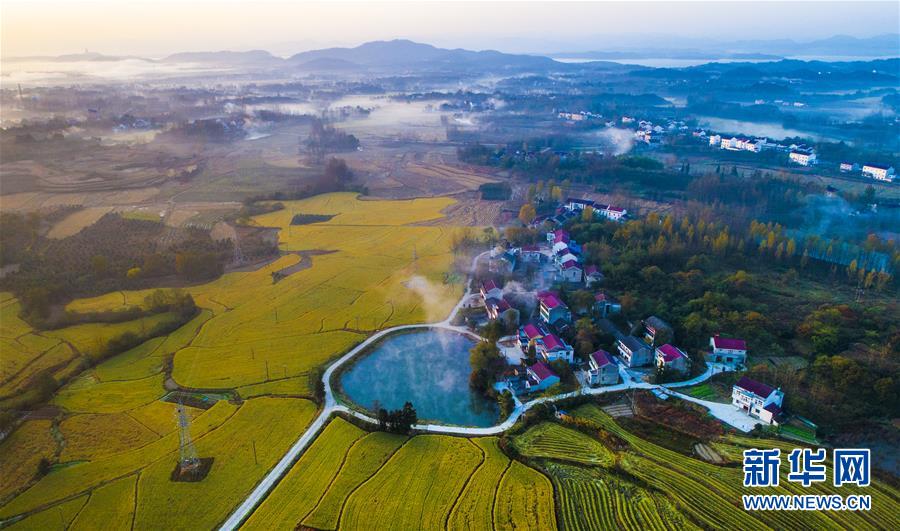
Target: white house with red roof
{"x": 552, "y": 309}
{"x": 570, "y": 271}
{"x": 671, "y": 358}
{"x": 602, "y": 369}
{"x": 611, "y": 212}
{"x": 552, "y": 347}
{"x": 592, "y": 275}
{"x": 539, "y": 377}
{"x": 757, "y": 399}
{"x": 501, "y": 309}
{"x": 732, "y": 352}
{"x": 528, "y": 335}
{"x": 558, "y": 236}
{"x": 490, "y": 290}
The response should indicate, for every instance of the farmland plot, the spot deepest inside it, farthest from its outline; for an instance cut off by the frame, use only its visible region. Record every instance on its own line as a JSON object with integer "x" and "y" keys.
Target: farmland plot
{"x": 416, "y": 488}
{"x": 300, "y": 490}
{"x": 524, "y": 500}
{"x": 363, "y": 459}
{"x": 474, "y": 509}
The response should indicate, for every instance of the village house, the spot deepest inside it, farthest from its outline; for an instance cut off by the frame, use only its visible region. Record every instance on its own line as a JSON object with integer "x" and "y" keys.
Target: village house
{"x": 604, "y": 305}
{"x": 503, "y": 263}
{"x": 671, "y": 358}
{"x": 715, "y": 140}
{"x": 758, "y": 400}
{"x": 573, "y": 204}
{"x": 849, "y": 166}
{"x": 552, "y": 309}
{"x": 552, "y": 348}
{"x": 602, "y": 369}
{"x": 592, "y": 275}
{"x": 656, "y": 330}
{"x": 539, "y": 377}
{"x": 531, "y": 254}
{"x": 610, "y": 212}
{"x": 732, "y": 352}
{"x": 879, "y": 173}
{"x": 490, "y": 290}
{"x": 633, "y": 351}
{"x": 557, "y": 236}
{"x": 501, "y": 309}
{"x": 528, "y": 336}
{"x": 803, "y": 158}
{"x": 570, "y": 271}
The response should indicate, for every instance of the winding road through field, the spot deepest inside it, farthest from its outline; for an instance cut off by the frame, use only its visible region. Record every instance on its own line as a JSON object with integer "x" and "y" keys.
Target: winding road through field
{"x": 725, "y": 412}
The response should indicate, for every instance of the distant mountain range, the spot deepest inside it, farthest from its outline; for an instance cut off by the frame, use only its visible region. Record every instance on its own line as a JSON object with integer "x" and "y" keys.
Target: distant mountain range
{"x": 404, "y": 55}
{"x": 887, "y": 45}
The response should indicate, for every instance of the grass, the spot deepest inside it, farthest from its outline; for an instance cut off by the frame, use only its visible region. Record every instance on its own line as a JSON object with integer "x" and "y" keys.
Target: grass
{"x": 416, "y": 488}
{"x": 300, "y": 490}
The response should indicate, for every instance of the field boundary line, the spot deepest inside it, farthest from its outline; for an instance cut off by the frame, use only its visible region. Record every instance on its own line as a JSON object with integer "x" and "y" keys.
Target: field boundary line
{"x": 333, "y": 479}
{"x": 496, "y": 491}
{"x": 466, "y": 484}
{"x": 361, "y": 485}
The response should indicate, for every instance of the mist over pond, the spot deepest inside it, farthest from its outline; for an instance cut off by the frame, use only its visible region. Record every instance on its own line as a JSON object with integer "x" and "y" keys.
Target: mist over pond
{"x": 428, "y": 368}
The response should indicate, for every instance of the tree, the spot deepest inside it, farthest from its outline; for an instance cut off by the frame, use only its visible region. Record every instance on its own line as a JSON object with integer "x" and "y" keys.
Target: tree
{"x": 485, "y": 360}
{"x": 338, "y": 173}
{"x": 527, "y": 213}
{"x": 587, "y": 215}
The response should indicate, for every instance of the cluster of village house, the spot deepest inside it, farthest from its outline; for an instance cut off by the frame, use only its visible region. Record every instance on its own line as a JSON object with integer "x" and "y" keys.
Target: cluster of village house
{"x": 650, "y": 348}
{"x": 797, "y": 153}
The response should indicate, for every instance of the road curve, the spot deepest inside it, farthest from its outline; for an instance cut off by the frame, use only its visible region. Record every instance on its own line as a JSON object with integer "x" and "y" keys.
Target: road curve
{"x": 331, "y": 406}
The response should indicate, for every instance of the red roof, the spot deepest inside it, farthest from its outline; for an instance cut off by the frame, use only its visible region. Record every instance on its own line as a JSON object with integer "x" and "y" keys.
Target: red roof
{"x": 553, "y": 343}
{"x": 532, "y": 331}
{"x": 670, "y": 353}
{"x": 730, "y": 344}
{"x": 549, "y": 299}
{"x": 773, "y": 408}
{"x": 603, "y": 297}
{"x": 531, "y": 248}
{"x": 542, "y": 370}
{"x": 591, "y": 269}
{"x": 602, "y": 358}
{"x": 560, "y": 235}
{"x": 569, "y": 264}
{"x": 489, "y": 285}
{"x": 757, "y": 388}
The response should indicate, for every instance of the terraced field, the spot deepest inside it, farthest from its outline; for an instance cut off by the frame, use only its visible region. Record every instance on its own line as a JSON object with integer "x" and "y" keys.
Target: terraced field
{"x": 683, "y": 480}
{"x": 553, "y": 441}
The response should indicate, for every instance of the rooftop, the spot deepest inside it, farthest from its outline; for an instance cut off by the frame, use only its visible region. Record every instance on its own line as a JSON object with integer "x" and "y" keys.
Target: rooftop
{"x": 730, "y": 344}
{"x": 752, "y": 386}
{"x": 670, "y": 353}
{"x": 602, "y": 358}
{"x": 542, "y": 370}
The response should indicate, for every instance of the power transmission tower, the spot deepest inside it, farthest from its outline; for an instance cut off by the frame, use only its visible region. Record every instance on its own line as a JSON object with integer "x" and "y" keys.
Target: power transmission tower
{"x": 187, "y": 458}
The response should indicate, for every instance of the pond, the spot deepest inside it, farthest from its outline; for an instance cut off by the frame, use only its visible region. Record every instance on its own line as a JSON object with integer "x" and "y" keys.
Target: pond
{"x": 428, "y": 368}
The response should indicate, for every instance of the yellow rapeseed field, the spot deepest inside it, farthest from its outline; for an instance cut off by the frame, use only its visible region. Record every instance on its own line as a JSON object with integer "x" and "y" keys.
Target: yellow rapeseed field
{"x": 374, "y": 267}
